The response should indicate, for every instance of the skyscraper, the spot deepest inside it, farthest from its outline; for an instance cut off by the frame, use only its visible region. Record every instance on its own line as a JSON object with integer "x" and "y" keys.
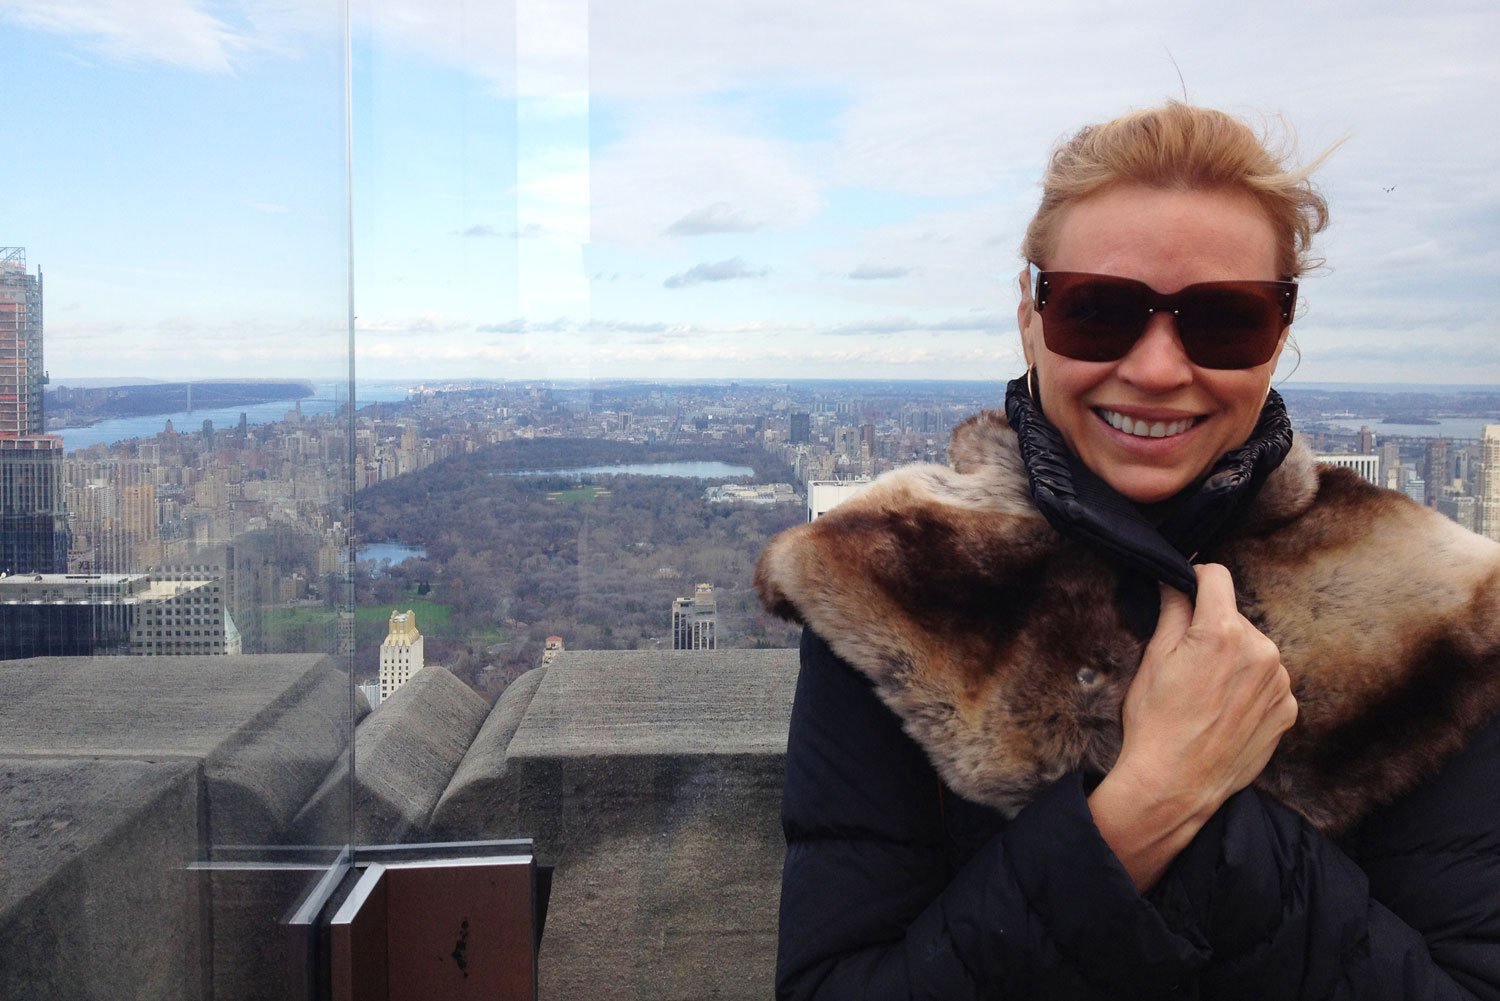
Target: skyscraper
{"x": 1437, "y": 474}
{"x": 695, "y": 620}
{"x": 800, "y": 432}
{"x": 33, "y": 532}
{"x": 21, "y": 375}
{"x": 1489, "y": 489}
{"x": 400, "y": 652}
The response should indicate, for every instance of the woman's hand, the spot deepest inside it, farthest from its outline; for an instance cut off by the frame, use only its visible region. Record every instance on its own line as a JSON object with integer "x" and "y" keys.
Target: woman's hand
{"x": 1201, "y": 719}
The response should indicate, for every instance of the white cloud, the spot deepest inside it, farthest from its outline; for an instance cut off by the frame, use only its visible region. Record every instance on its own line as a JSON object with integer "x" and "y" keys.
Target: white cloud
{"x": 973, "y": 323}
{"x": 176, "y": 32}
{"x": 720, "y": 217}
{"x": 877, "y": 272}
{"x": 676, "y": 172}
{"x": 718, "y": 271}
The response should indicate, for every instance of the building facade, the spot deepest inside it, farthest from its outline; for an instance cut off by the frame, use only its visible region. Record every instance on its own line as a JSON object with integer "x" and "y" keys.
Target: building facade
{"x": 400, "y": 652}
{"x": 170, "y": 611}
{"x": 695, "y": 620}
{"x": 1367, "y": 466}
{"x": 1437, "y": 474}
{"x": 800, "y": 429}
{"x": 824, "y": 495}
{"x": 1489, "y": 483}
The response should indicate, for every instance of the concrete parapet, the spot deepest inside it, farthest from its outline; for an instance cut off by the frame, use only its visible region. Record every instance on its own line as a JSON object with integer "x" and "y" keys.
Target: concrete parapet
{"x": 96, "y": 900}
{"x": 479, "y": 803}
{"x": 405, "y": 754}
{"x": 653, "y": 782}
{"x": 117, "y": 775}
{"x": 266, "y": 728}
{"x": 651, "y": 779}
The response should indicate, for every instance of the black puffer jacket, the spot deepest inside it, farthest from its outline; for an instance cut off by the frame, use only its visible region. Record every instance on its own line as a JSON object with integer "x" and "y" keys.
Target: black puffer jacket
{"x": 896, "y": 888}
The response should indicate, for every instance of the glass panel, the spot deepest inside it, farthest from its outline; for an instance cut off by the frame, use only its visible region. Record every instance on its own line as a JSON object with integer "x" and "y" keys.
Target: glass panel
{"x": 175, "y": 705}
{"x": 646, "y": 283}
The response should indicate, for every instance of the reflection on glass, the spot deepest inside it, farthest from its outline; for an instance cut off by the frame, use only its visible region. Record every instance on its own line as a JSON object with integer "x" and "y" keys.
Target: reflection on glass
{"x": 174, "y": 440}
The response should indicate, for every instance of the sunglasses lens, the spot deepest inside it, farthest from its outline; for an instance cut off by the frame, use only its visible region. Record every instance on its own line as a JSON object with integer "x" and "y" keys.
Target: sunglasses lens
{"x": 1228, "y": 327}
{"x": 1220, "y": 324}
{"x": 1096, "y": 320}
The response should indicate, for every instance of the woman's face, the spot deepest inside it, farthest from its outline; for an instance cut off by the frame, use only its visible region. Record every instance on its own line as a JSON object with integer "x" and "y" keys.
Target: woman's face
{"x": 1167, "y": 239}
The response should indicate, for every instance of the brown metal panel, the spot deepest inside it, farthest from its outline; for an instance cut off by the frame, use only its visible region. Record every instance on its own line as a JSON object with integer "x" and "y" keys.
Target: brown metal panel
{"x": 359, "y": 941}
{"x": 461, "y": 930}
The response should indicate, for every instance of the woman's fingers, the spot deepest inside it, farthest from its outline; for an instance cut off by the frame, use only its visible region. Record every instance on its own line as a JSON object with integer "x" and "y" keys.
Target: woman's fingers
{"x": 1175, "y": 616}
{"x": 1211, "y": 698}
{"x": 1203, "y": 715}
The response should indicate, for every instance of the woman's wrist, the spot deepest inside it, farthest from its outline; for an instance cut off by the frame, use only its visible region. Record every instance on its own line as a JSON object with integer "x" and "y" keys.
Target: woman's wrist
{"x": 1146, "y": 826}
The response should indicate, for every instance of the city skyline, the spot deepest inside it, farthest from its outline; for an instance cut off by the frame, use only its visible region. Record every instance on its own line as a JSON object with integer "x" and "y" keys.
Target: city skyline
{"x": 507, "y": 499}
{"x": 564, "y": 190}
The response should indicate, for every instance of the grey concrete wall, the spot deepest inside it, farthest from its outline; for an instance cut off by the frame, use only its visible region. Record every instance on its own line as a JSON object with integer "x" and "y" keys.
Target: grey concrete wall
{"x": 96, "y": 900}
{"x": 405, "y": 754}
{"x": 653, "y": 782}
{"x": 472, "y": 806}
{"x": 117, "y": 775}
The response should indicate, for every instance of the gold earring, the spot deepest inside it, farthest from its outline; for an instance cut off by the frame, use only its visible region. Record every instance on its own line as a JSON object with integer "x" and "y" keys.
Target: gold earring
{"x": 1031, "y": 382}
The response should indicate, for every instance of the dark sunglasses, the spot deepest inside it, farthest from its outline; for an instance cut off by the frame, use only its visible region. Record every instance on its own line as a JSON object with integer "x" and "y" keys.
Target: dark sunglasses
{"x": 1229, "y": 324}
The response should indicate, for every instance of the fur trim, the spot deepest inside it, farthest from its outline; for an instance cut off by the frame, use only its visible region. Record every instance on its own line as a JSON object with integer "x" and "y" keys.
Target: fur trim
{"x": 999, "y": 645}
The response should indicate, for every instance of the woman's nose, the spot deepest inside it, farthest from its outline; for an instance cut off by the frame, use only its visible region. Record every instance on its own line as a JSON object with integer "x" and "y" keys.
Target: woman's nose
{"x": 1157, "y": 362}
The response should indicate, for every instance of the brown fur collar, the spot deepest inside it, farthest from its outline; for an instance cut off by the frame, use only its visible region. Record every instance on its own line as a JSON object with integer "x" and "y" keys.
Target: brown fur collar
{"x": 998, "y": 643}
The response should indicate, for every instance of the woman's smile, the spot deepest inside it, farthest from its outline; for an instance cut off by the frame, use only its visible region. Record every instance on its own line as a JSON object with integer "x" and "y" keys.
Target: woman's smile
{"x": 1140, "y": 427}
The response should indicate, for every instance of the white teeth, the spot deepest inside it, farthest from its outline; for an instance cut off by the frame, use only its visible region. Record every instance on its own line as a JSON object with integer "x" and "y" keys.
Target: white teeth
{"x": 1141, "y": 429}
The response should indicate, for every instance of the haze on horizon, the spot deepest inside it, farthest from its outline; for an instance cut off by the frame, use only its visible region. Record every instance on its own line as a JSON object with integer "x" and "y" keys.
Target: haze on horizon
{"x": 554, "y": 189}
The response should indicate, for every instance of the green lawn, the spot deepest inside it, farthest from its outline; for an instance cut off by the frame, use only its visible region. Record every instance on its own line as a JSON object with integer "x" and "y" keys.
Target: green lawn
{"x": 578, "y": 495}
{"x": 428, "y": 612}
{"x": 296, "y": 624}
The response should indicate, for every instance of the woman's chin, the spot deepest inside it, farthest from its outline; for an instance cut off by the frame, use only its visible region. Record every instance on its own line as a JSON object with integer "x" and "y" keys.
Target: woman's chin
{"x": 1148, "y": 490}
{"x": 1152, "y": 483}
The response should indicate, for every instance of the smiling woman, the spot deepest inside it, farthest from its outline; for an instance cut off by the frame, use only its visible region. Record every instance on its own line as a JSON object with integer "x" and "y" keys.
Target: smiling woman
{"x": 1152, "y": 421}
{"x": 1127, "y": 702}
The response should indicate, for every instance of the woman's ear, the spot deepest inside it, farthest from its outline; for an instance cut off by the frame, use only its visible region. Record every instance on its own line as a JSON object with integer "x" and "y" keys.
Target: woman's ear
{"x": 1026, "y": 316}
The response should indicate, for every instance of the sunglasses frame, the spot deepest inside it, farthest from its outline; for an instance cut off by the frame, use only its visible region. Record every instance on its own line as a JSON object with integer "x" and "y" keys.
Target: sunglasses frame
{"x": 1200, "y": 349}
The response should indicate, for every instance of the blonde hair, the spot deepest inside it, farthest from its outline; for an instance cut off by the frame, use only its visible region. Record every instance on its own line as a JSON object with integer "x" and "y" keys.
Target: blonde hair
{"x": 1187, "y": 148}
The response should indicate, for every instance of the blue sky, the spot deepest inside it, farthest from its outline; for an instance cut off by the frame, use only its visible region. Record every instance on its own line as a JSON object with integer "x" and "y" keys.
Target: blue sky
{"x": 560, "y": 189}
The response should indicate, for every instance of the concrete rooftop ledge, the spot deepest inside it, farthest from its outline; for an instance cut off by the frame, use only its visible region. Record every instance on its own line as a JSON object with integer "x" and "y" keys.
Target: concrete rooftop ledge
{"x": 674, "y": 703}
{"x": 405, "y": 754}
{"x": 116, "y": 774}
{"x": 653, "y": 781}
{"x": 468, "y": 804}
{"x": 650, "y": 779}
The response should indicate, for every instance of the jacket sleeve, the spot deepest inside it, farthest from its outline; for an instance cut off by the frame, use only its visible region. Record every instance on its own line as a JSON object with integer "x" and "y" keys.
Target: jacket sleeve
{"x": 871, "y": 910}
{"x": 1406, "y": 907}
